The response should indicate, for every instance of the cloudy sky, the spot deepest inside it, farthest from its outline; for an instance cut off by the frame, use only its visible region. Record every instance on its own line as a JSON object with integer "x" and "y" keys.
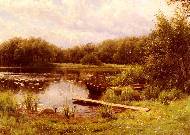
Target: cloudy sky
{"x": 70, "y": 22}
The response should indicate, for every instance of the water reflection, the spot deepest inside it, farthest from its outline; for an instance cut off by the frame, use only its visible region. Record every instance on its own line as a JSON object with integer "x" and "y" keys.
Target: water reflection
{"x": 61, "y": 93}
{"x": 52, "y": 89}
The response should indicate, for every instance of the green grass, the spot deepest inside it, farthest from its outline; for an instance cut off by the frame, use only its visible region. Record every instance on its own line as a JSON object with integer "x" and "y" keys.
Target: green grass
{"x": 162, "y": 119}
{"x": 75, "y": 67}
{"x": 104, "y": 67}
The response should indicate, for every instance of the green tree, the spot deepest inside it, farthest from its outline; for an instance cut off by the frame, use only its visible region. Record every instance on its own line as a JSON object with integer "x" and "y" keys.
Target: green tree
{"x": 106, "y": 51}
{"x": 169, "y": 53}
{"x": 91, "y": 59}
{"x": 130, "y": 51}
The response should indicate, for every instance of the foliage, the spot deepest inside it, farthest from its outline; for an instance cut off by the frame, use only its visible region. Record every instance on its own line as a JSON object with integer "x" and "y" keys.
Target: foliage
{"x": 18, "y": 51}
{"x": 122, "y": 95}
{"x": 110, "y": 96}
{"x": 30, "y": 102}
{"x": 106, "y": 111}
{"x": 24, "y": 52}
{"x": 184, "y": 5}
{"x": 106, "y": 51}
{"x": 167, "y": 65}
{"x": 152, "y": 92}
{"x": 130, "y": 51}
{"x": 167, "y": 96}
{"x": 132, "y": 74}
{"x": 7, "y": 102}
{"x": 128, "y": 94}
{"x": 90, "y": 59}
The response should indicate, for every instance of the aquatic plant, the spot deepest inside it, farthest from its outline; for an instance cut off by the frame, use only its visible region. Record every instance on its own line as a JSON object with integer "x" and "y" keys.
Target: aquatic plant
{"x": 30, "y": 102}
{"x": 69, "y": 111}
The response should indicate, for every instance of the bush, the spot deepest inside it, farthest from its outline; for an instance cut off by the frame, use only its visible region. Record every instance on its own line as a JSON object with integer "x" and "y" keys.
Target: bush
{"x": 152, "y": 92}
{"x": 7, "y": 102}
{"x": 128, "y": 94}
{"x": 110, "y": 96}
{"x": 132, "y": 74}
{"x": 121, "y": 95}
{"x": 167, "y": 62}
{"x": 167, "y": 96}
{"x": 106, "y": 111}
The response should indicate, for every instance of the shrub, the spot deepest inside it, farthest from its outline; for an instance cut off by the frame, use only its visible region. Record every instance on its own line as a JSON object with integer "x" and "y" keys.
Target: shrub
{"x": 106, "y": 111}
{"x": 7, "y": 102}
{"x": 167, "y": 96}
{"x": 128, "y": 94}
{"x": 121, "y": 94}
{"x": 151, "y": 92}
{"x": 132, "y": 74}
{"x": 110, "y": 96}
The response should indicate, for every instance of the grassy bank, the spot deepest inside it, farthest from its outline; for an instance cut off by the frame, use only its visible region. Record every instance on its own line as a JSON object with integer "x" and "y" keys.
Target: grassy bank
{"x": 161, "y": 119}
{"x": 72, "y": 67}
{"x": 104, "y": 67}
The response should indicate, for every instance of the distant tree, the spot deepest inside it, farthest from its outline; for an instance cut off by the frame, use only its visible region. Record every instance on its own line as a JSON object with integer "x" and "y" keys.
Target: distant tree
{"x": 88, "y": 48}
{"x": 60, "y": 56}
{"x": 18, "y": 51}
{"x": 74, "y": 55}
{"x": 130, "y": 51}
{"x": 106, "y": 51}
{"x": 7, "y": 51}
{"x": 91, "y": 59}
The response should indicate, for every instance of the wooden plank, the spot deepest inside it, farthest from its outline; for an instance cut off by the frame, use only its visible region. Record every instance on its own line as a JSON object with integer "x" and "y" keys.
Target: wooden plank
{"x": 136, "y": 108}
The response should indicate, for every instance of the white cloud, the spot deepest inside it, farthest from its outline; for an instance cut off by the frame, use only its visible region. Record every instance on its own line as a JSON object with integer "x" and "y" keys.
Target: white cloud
{"x": 70, "y": 22}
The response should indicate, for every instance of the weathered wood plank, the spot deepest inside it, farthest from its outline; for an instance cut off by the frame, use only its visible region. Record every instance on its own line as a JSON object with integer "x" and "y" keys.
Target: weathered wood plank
{"x": 136, "y": 108}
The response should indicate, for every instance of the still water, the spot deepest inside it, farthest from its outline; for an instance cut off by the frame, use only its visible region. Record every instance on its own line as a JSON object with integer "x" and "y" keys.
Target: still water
{"x": 53, "y": 89}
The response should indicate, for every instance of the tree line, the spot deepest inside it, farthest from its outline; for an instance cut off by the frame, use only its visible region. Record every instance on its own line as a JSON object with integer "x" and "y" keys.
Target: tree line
{"x": 19, "y": 51}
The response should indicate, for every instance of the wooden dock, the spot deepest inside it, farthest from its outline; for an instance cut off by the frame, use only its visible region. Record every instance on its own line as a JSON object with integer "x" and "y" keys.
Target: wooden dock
{"x": 97, "y": 102}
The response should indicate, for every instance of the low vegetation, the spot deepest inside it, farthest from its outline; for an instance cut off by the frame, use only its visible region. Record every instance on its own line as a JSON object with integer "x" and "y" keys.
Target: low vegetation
{"x": 161, "y": 119}
{"x": 7, "y": 103}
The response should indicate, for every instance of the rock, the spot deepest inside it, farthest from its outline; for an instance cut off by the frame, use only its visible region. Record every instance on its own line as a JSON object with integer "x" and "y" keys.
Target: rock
{"x": 47, "y": 111}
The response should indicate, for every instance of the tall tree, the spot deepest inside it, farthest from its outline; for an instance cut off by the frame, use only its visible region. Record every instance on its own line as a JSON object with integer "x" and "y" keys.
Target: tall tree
{"x": 169, "y": 53}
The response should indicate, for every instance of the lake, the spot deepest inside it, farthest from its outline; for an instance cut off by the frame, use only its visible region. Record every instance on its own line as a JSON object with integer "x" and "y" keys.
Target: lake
{"x": 53, "y": 88}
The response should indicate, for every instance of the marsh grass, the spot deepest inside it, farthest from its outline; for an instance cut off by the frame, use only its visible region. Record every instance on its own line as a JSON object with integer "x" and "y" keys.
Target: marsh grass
{"x": 8, "y": 102}
{"x": 68, "y": 111}
{"x": 30, "y": 101}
